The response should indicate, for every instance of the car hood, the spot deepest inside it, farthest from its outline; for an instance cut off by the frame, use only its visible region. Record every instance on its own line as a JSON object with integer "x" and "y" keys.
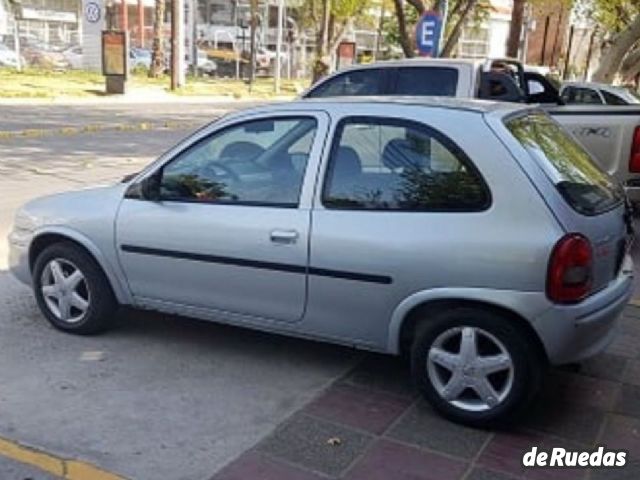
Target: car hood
{"x": 71, "y": 209}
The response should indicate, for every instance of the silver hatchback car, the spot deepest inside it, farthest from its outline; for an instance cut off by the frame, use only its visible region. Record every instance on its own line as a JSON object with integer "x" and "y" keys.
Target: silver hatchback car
{"x": 477, "y": 238}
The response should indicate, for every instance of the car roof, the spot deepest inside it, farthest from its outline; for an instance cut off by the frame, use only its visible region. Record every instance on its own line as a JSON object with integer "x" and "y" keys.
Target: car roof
{"x": 449, "y": 103}
{"x": 410, "y": 62}
{"x": 602, "y": 86}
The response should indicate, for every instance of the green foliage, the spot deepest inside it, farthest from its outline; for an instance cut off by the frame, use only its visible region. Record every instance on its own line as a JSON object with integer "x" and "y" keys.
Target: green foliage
{"x": 612, "y": 15}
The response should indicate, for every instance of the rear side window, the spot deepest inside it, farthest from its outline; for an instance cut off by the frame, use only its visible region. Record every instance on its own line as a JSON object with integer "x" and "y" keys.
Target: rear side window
{"x": 566, "y": 163}
{"x": 435, "y": 81}
{"x": 356, "y": 83}
{"x": 612, "y": 99}
{"x": 391, "y": 164}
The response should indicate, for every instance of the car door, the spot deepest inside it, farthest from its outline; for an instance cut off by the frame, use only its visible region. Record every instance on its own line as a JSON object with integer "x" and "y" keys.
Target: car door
{"x": 379, "y": 219}
{"x": 227, "y": 226}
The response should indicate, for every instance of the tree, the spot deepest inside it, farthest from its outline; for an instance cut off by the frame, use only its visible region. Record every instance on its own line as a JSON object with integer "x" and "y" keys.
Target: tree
{"x": 515, "y": 28}
{"x": 621, "y": 21}
{"x": 460, "y": 12}
{"x": 331, "y": 19}
{"x": 158, "y": 55}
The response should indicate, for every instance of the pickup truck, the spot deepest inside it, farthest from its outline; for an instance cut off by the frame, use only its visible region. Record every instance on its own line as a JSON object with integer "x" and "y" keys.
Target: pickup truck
{"x": 610, "y": 134}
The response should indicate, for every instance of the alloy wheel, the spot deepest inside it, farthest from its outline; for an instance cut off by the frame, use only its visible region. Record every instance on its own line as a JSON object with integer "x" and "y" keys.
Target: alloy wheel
{"x": 470, "y": 368}
{"x": 65, "y": 290}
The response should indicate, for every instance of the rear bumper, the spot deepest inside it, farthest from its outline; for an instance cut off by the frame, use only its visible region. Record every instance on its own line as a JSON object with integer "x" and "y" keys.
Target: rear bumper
{"x": 571, "y": 333}
{"x": 632, "y": 189}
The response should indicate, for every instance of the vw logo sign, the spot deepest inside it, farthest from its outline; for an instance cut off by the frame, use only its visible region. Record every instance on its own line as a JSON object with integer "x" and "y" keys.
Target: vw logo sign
{"x": 92, "y": 12}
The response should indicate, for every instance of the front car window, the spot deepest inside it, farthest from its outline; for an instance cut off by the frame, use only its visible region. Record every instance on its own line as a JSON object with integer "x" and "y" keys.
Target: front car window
{"x": 434, "y": 81}
{"x": 566, "y": 163}
{"x": 259, "y": 162}
{"x": 568, "y": 95}
{"x": 355, "y": 83}
{"x": 588, "y": 96}
{"x": 389, "y": 164}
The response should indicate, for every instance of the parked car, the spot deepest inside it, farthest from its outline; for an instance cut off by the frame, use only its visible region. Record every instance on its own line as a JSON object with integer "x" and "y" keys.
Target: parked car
{"x": 73, "y": 55}
{"x": 205, "y": 65}
{"x": 478, "y": 238}
{"x": 46, "y": 57}
{"x": 590, "y": 93}
{"x": 610, "y": 134}
{"x": 8, "y": 57}
{"x": 265, "y": 59}
{"x": 139, "y": 58}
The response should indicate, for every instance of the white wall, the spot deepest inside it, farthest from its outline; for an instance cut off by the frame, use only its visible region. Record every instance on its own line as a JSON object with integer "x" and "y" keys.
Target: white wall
{"x": 498, "y": 34}
{"x": 4, "y": 18}
{"x": 92, "y": 34}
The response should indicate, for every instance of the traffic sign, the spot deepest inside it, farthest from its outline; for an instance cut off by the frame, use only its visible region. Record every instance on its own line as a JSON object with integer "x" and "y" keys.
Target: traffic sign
{"x": 428, "y": 32}
{"x": 92, "y": 12}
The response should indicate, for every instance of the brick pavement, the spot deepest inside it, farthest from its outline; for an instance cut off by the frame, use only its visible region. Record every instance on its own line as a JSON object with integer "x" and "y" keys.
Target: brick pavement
{"x": 372, "y": 425}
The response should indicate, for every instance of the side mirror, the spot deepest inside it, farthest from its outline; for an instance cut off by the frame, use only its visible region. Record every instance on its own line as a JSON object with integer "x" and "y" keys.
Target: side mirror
{"x": 150, "y": 187}
{"x": 146, "y": 189}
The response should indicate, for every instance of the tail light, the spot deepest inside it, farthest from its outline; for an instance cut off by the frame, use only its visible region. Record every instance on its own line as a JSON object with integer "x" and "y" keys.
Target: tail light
{"x": 634, "y": 159}
{"x": 570, "y": 269}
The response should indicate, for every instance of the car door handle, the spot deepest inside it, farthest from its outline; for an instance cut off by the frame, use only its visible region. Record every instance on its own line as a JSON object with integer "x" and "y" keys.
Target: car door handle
{"x": 283, "y": 236}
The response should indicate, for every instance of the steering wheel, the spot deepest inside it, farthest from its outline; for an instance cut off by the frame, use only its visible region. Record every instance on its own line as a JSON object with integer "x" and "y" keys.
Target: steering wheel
{"x": 215, "y": 168}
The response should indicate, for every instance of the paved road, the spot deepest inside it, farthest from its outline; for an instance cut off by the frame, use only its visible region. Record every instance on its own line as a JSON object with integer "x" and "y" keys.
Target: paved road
{"x": 55, "y": 116}
{"x": 170, "y": 398}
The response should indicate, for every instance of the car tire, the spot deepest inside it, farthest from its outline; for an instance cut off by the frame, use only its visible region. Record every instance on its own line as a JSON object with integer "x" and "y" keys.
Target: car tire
{"x": 441, "y": 367}
{"x": 72, "y": 291}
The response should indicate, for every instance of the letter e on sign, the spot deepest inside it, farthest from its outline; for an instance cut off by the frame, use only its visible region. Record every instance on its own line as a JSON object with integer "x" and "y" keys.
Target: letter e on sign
{"x": 428, "y": 31}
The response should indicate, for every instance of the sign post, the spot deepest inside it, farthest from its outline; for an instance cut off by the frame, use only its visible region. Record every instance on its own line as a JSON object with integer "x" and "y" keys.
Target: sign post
{"x": 428, "y": 34}
{"x": 115, "y": 56}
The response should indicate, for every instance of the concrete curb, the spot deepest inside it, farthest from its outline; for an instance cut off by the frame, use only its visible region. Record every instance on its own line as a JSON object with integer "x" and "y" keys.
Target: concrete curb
{"x": 67, "y": 469}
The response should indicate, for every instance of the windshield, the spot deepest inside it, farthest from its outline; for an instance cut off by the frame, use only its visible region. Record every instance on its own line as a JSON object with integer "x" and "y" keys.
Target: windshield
{"x": 581, "y": 182}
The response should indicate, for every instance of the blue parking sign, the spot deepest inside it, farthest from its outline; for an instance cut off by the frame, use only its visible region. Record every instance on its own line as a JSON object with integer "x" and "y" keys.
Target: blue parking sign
{"x": 428, "y": 32}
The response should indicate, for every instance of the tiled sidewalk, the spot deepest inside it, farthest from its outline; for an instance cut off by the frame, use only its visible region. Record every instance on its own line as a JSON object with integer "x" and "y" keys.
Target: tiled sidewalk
{"x": 371, "y": 425}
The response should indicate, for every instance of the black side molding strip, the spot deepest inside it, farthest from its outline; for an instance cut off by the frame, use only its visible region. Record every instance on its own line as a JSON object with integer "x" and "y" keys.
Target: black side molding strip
{"x": 579, "y": 113}
{"x": 243, "y": 262}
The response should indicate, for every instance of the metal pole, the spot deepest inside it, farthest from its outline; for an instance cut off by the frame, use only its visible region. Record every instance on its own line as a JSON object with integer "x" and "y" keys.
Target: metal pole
{"x": 125, "y": 15}
{"x": 194, "y": 35}
{"x": 252, "y": 43}
{"x": 544, "y": 39}
{"x": 16, "y": 42}
{"x": 140, "y": 24}
{"x": 279, "y": 46}
{"x": 566, "y": 60}
{"x": 175, "y": 65}
{"x": 264, "y": 31}
{"x": 443, "y": 7}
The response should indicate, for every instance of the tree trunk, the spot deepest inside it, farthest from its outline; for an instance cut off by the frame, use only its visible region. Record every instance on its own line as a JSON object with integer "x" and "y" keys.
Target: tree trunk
{"x": 157, "y": 58}
{"x": 631, "y": 65}
{"x": 405, "y": 39}
{"x": 515, "y": 30}
{"x": 613, "y": 54}
{"x": 321, "y": 61}
{"x": 452, "y": 40}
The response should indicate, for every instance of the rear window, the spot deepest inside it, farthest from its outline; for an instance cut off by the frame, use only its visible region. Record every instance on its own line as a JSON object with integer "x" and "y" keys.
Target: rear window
{"x": 581, "y": 182}
{"x": 355, "y": 83}
{"x": 436, "y": 81}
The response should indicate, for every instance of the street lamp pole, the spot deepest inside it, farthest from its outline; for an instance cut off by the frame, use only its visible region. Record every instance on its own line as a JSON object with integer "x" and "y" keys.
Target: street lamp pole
{"x": 17, "y": 15}
{"x": 279, "y": 46}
